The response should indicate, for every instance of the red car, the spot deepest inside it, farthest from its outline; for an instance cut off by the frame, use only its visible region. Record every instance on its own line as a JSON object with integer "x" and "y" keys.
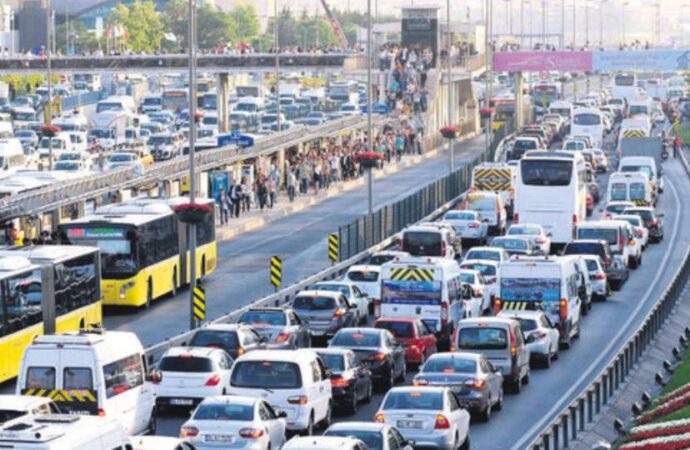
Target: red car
{"x": 419, "y": 340}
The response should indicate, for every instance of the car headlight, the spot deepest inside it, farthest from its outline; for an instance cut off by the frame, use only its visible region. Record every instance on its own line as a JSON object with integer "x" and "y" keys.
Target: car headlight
{"x": 125, "y": 287}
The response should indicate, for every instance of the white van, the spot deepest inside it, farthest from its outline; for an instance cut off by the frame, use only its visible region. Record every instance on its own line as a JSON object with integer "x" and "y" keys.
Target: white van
{"x": 60, "y": 143}
{"x": 64, "y": 432}
{"x": 632, "y": 187}
{"x": 435, "y": 239}
{"x": 543, "y": 282}
{"x": 92, "y": 372}
{"x": 122, "y": 103}
{"x": 646, "y": 165}
{"x": 428, "y": 288}
{"x": 294, "y": 381}
{"x": 11, "y": 156}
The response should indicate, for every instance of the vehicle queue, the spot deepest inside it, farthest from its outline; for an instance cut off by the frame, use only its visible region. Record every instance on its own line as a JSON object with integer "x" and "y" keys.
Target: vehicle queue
{"x": 474, "y": 321}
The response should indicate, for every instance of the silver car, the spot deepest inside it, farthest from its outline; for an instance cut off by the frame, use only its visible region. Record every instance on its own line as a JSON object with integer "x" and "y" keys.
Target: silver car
{"x": 534, "y": 232}
{"x": 468, "y": 225}
{"x": 540, "y": 335}
{"x": 597, "y": 275}
{"x": 280, "y": 328}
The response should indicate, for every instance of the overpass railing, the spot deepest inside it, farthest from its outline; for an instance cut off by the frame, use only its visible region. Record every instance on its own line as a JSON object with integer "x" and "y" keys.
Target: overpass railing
{"x": 75, "y": 101}
{"x": 68, "y": 192}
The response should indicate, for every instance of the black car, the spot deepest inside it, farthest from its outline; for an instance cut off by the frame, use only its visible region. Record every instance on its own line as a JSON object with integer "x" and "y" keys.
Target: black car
{"x": 236, "y": 339}
{"x": 652, "y": 222}
{"x": 350, "y": 379}
{"x": 378, "y": 349}
{"x": 616, "y": 271}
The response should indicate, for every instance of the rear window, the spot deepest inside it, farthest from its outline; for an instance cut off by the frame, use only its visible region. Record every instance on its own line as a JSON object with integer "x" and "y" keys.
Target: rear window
{"x": 450, "y": 365}
{"x": 466, "y": 277}
{"x": 618, "y": 191}
{"x": 314, "y": 303}
{"x": 224, "y": 412}
{"x": 266, "y": 374}
{"x": 226, "y": 340}
{"x": 366, "y": 276}
{"x": 342, "y": 289}
{"x": 481, "y": 203}
{"x": 8, "y": 414}
{"x": 484, "y": 269}
{"x": 525, "y": 144}
{"x": 185, "y": 364}
{"x": 546, "y": 173}
{"x": 414, "y": 400}
{"x": 40, "y": 378}
{"x": 637, "y": 191}
{"x": 486, "y": 338}
{"x": 527, "y": 324}
{"x": 78, "y": 378}
{"x": 519, "y": 230}
{"x": 459, "y": 215}
{"x": 399, "y": 329}
{"x": 483, "y": 254}
{"x": 263, "y": 318}
{"x": 422, "y": 243}
{"x": 647, "y": 216}
{"x": 333, "y": 362}
{"x": 604, "y": 234}
{"x": 585, "y": 248}
{"x": 356, "y": 339}
{"x": 510, "y": 244}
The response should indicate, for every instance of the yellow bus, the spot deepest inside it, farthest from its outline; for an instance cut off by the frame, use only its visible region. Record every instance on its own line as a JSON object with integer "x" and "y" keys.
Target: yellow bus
{"x": 143, "y": 249}
{"x": 45, "y": 289}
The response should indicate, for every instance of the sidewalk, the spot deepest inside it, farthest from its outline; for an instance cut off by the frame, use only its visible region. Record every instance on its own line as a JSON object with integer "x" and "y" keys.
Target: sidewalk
{"x": 255, "y": 218}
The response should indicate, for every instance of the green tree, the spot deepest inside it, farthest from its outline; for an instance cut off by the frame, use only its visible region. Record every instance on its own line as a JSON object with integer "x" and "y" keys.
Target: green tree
{"x": 175, "y": 20}
{"x": 214, "y": 28}
{"x": 80, "y": 38}
{"x": 142, "y": 23}
{"x": 246, "y": 21}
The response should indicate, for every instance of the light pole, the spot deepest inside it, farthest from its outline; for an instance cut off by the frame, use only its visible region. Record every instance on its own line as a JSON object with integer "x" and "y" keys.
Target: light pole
{"x": 489, "y": 57}
{"x": 191, "y": 47}
{"x": 574, "y": 25}
{"x": 543, "y": 23}
{"x": 370, "y": 103}
{"x": 522, "y": 23}
{"x": 49, "y": 110}
{"x": 586, "y": 23}
{"x": 276, "y": 49}
{"x": 451, "y": 156}
{"x": 601, "y": 24}
{"x": 562, "y": 39}
{"x": 531, "y": 28}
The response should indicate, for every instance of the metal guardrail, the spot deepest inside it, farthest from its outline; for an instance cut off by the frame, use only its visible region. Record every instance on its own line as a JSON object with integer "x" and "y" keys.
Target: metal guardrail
{"x": 565, "y": 427}
{"x": 75, "y": 101}
{"x": 68, "y": 192}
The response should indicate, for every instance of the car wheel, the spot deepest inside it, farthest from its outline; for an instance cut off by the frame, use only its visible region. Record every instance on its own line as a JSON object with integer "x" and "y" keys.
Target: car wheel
{"x": 153, "y": 421}
{"x": 525, "y": 380}
{"x": 634, "y": 263}
{"x": 639, "y": 261}
{"x": 547, "y": 361}
{"x": 309, "y": 431}
{"x": 517, "y": 386}
{"x": 403, "y": 373}
{"x": 485, "y": 416}
{"x": 326, "y": 422}
{"x": 499, "y": 402}
{"x": 584, "y": 309}
{"x": 466, "y": 445}
{"x": 352, "y": 407}
{"x": 370, "y": 392}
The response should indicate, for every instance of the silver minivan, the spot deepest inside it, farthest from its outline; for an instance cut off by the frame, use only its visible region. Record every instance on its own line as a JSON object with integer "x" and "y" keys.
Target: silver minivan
{"x": 502, "y": 342}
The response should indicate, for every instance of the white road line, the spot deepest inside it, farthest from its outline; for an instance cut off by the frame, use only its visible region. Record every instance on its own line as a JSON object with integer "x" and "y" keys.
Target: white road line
{"x": 566, "y": 397}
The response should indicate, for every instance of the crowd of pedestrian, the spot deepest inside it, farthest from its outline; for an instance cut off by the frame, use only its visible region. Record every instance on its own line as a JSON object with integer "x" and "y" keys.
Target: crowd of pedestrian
{"x": 408, "y": 70}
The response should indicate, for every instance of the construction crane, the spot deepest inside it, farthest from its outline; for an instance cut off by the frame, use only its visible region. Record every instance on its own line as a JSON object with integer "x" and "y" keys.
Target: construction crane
{"x": 335, "y": 26}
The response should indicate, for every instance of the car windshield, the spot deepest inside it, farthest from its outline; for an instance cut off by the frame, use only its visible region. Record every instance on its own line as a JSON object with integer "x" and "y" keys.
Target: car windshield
{"x": 520, "y": 230}
{"x": 24, "y": 134}
{"x": 587, "y": 119}
{"x": 227, "y": 340}
{"x": 64, "y": 165}
{"x": 185, "y": 363}
{"x": 399, "y": 329}
{"x": 481, "y": 203}
{"x": 341, "y": 288}
{"x": 334, "y": 362}
{"x": 460, "y": 215}
{"x": 539, "y": 172}
{"x": 574, "y": 145}
{"x": 484, "y": 269}
{"x": 266, "y": 375}
{"x": 609, "y": 235}
{"x": 647, "y": 216}
{"x": 525, "y": 144}
{"x": 120, "y": 157}
{"x": 263, "y": 318}
{"x": 69, "y": 157}
{"x": 450, "y": 365}
{"x": 618, "y": 191}
{"x": 314, "y": 303}
{"x": 362, "y": 275}
{"x": 527, "y": 324}
{"x": 100, "y": 133}
{"x": 372, "y": 439}
{"x": 482, "y": 338}
{"x": 414, "y": 400}
{"x": 356, "y": 339}
{"x": 483, "y": 254}
{"x": 224, "y": 411}
{"x": 159, "y": 140}
{"x": 9, "y": 414}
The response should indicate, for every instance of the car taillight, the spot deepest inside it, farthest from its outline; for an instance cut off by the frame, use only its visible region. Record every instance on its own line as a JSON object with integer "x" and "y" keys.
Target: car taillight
{"x": 379, "y": 418}
{"x": 620, "y": 242}
{"x": 444, "y": 248}
{"x": 298, "y": 400}
{"x": 600, "y": 276}
{"x": 497, "y": 306}
{"x": 420, "y": 383}
{"x": 651, "y": 223}
{"x": 377, "y": 357}
{"x": 101, "y": 412}
{"x": 241, "y": 351}
{"x": 513, "y": 344}
{"x": 251, "y": 433}
{"x": 282, "y": 337}
{"x": 473, "y": 225}
{"x": 214, "y": 380}
{"x": 377, "y": 308}
{"x": 475, "y": 384}
{"x": 441, "y": 423}
{"x": 516, "y": 218}
{"x": 187, "y": 432}
{"x": 477, "y": 293}
{"x": 339, "y": 312}
{"x": 339, "y": 382}
{"x": 563, "y": 310}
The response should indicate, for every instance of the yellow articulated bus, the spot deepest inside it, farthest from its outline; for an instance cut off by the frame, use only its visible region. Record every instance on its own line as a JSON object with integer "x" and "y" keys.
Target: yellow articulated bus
{"x": 45, "y": 289}
{"x": 143, "y": 249}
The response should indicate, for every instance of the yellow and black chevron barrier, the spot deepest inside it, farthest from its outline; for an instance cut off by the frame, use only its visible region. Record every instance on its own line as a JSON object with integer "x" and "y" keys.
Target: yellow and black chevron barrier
{"x": 634, "y": 133}
{"x": 63, "y": 395}
{"x": 276, "y": 274}
{"x": 199, "y": 303}
{"x": 402, "y": 274}
{"x": 492, "y": 179}
{"x": 333, "y": 247}
{"x": 676, "y": 124}
{"x": 521, "y": 306}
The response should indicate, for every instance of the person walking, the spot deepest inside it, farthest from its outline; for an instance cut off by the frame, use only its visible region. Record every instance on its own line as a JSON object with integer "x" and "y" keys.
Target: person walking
{"x": 261, "y": 192}
{"x": 291, "y": 184}
{"x": 236, "y": 199}
{"x": 271, "y": 189}
{"x": 222, "y": 202}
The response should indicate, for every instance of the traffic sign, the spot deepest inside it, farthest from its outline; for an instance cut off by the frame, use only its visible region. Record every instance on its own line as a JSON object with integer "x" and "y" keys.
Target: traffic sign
{"x": 276, "y": 274}
{"x": 199, "y": 303}
{"x": 676, "y": 124}
{"x": 236, "y": 138}
{"x": 333, "y": 247}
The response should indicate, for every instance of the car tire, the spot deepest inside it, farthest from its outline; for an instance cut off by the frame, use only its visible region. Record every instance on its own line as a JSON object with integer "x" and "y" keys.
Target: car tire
{"x": 466, "y": 445}
{"x": 326, "y": 422}
{"x": 547, "y": 361}
{"x": 517, "y": 386}
{"x": 403, "y": 373}
{"x": 485, "y": 415}
{"x": 390, "y": 381}
{"x": 153, "y": 421}
{"x": 526, "y": 379}
{"x": 370, "y": 392}
{"x": 634, "y": 263}
{"x": 309, "y": 431}
{"x": 499, "y": 403}
{"x": 352, "y": 407}
{"x": 584, "y": 309}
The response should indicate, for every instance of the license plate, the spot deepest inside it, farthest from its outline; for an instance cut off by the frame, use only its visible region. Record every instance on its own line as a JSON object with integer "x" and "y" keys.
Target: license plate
{"x": 409, "y": 424}
{"x": 219, "y": 438}
{"x": 181, "y": 401}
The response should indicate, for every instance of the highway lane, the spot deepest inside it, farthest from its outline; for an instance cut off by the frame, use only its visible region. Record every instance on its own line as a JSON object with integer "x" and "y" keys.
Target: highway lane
{"x": 242, "y": 275}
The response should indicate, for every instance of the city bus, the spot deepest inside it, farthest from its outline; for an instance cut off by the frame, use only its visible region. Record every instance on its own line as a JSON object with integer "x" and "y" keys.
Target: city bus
{"x": 143, "y": 249}
{"x": 625, "y": 86}
{"x": 45, "y": 289}
{"x": 589, "y": 122}
{"x": 551, "y": 191}
{"x": 175, "y": 99}
{"x": 544, "y": 94}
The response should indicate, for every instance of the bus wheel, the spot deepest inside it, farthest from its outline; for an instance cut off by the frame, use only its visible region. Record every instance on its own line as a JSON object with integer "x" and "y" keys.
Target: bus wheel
{"x": 149, "y": 295}
{"x": 203, "y": 267}
{"x": 82, "y": 325}
{"x": 173, "y": 291}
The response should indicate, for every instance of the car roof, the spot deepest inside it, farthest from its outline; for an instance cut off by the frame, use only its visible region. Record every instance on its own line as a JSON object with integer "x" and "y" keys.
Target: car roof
{"x": 321, "y": 442}
{"x": 277, "y": 355}
{"x": 365, "y": 268}
{"x": 475, "y": 321}
{"x": 480, "y": 261}
{"x": 197, "y": 352}
{"x": 321, "y": 293}
{"x": 487, "y": 247}
{"x": 332, "y": 350}
{"x": 438, "y": 389}
{"x": 397, "y": 319}
{"x": 468, "y": 355}
{"x": 364, "y": 426}
{"x": 231, "y": 399}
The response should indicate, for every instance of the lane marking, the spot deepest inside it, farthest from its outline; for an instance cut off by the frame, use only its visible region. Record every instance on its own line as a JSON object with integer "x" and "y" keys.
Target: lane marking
{"x": 558, "y": 406}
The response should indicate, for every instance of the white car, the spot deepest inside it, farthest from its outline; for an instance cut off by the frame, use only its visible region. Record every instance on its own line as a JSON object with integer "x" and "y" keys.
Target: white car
{"x": 499, "y": 255}
{"x": 429, "y": 416}
{"x": 376, "y": 435}
{"x": 535, "y": 233}
{"x": 488, "y": 268}
{"x": 324, "y": 443}
{"x": 597, "y": 276}
{"x": 294, "y": 381}
{"x": 190, "y": 374}
{"x": 540, "y": 334}
{"x": 640, "y": 231}
{"x": 351, "y": 292}
{"x": 366, "y": 278}
{"x": 468, "y": 225}
{"x": 160, "y": 443}
{"x": 480, "y": 289}
{"x": 234, "y": 421}
{"x": 13, "y": 406}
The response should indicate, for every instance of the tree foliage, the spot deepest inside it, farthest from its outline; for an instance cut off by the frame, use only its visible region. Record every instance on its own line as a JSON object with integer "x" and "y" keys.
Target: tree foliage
{"x": 142, "y": 23}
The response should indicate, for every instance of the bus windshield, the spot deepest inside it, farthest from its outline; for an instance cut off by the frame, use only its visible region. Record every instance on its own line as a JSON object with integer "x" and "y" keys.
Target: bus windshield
{"x": 541, "y": 172}
{"x": 587, "y": 119}
{"x": 118, "y": 260}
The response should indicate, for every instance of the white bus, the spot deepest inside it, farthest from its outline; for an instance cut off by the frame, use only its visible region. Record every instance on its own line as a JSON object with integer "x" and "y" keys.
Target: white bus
{"x": 625, "y": 85}
{"x": 551, "y": 191}
{"x": 589, "y": 122}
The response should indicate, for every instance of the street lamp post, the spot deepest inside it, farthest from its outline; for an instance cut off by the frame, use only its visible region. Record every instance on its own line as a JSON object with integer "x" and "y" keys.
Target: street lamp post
{"x": 522, "y": 23}
{"x": 370, "y": 104}
{"x": 451, "y": 156}
{"x": 543, "y": 23}
{"x": 574, "y": 25}
{"x": 531, "y": 28}
{"x": 49, "y": 110}
{"x": 562, "y": 40}
{"x": 586, "y": 23}
{"x": 276, "y": 49}
{"x": 191, "y": 44}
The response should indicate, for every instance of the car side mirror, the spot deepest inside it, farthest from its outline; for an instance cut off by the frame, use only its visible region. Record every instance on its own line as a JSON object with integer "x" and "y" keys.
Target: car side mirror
{"x": 281, "y": 414}
{"x": 529, "y": 339}
{"x": 409, "y": 444}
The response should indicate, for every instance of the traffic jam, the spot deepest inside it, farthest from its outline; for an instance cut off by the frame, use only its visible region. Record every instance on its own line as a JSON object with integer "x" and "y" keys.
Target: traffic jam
{"x": 441, "y": 329}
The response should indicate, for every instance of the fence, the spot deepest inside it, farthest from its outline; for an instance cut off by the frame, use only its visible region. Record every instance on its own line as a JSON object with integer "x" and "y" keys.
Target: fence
{"x": 390, "y": 219}
{"x": 565, "y": 427}
{"x": 75, "y": 101}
